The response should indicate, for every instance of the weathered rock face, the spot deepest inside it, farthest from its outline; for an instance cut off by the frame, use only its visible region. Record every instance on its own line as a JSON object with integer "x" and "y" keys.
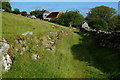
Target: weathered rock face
{"x": 6, "y": 60}
{"x": 105, "y": 39}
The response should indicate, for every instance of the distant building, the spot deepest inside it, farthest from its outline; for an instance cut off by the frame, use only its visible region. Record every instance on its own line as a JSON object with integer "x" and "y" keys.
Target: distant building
{"x": 53, "y": 15}
{"x": 43, "y": 14}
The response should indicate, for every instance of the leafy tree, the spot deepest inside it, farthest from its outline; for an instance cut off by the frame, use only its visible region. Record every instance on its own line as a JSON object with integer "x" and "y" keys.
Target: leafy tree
{"x": 103, "y": 12}
{"x": 114, "y": 22}
{"x": 24, "y": 13}
{"x": 16, "y": 11}
{"x": 101, "y": 17}
{"x": 98, "y": 24}
{"x": 70, "y": 18}
{"x": 6, "y": 6}
{"x": 35, "y": 12}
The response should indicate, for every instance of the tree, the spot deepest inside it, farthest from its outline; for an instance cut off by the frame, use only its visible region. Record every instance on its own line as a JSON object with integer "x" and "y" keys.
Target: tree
{"x": 70, "y": 18}
{"x": 35, "y": 12}
{"x": 16, "y": 11}
{"x": 6, "y": 6}
{"x": 98, "y": 24}
{"x": 103, "y": 12}
{"x": 24, "y": 13}
{"x": 114, "y": 22}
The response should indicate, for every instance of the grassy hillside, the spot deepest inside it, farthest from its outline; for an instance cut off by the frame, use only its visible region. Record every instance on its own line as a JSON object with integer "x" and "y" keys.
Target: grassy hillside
{"x": 74, "y": 55}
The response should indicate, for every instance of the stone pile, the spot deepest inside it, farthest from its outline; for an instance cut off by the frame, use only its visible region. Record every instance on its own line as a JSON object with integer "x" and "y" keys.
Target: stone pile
{"x": 103, "y": 38}
{"x": 50, "y": 43}
{"x": 6, "y": 59}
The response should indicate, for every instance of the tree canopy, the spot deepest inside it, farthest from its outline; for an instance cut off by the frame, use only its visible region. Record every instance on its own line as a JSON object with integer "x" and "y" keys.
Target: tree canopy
{"x": 100, "y": 17}
{"x": 98, "y": 24}
{"x": 6, "y": 6}
{"x": 35, "y": 12}
{"x": 70, "y": 18}
{"x": 114, "y": 22}
{"x": 103, "y": 12}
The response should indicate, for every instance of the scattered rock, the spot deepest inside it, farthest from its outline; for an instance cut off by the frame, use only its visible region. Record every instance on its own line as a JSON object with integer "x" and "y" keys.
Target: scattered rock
{"x": 49, "y": 37}
{"x": 21, "y": 53}
{"x": 23, "y": 49}
{"x": 3, "y": 40}
{"x": 4, "y": 47}
{"x": 37, "y": 46}
{"x": 19, "y": 39}
{"x": 50, "y": 32}
{"x": 6, "y": 60}
{"x": 27, "y": 33}
{"x": 16, "y": 49}
{"x": 57, "y": 35}
{"x": 35, "y": 56}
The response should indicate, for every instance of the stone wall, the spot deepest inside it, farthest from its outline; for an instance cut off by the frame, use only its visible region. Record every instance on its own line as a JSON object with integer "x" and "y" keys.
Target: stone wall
{"x": 102, "y": 38}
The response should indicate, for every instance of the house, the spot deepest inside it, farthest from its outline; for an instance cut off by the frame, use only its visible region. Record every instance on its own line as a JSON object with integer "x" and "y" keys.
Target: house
{"x": 53, "y": 15}
{"x": 43, "y": 14}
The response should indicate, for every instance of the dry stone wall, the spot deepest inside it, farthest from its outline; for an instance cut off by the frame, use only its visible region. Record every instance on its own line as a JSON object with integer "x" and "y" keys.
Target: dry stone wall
{"x": 103, "y": 38}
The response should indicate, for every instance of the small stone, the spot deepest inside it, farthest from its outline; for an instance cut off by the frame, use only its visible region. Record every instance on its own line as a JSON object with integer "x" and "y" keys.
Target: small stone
{"x": 7, "y": 62}
{"x": 16, "y": 41}
{"x": 49, "y": 38}
{"x": 16, "y": 49}
{"x": 27, "y": 33}
{"x": 37, "y": 46}
{"x": 20, "y": 41}
{"x": 4, "y": 47}
{"x": 21, "y": 53}
{"x": 23, "y": 49}
{"x": 35, "y": 56}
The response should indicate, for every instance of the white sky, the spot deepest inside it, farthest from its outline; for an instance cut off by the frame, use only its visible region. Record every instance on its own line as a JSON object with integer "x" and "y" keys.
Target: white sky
{"x": 64, "y": 0}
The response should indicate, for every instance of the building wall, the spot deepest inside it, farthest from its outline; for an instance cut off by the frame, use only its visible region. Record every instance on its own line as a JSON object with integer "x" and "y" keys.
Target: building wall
{"x": 45, "y": 15}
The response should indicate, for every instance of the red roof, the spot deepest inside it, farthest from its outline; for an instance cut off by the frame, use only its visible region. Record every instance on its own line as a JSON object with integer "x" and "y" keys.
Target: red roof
{"x": 53, "y": 15}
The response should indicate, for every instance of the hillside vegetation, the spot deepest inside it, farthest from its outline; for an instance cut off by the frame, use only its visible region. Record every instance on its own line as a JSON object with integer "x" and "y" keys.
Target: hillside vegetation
{"x": 73, "y": 55}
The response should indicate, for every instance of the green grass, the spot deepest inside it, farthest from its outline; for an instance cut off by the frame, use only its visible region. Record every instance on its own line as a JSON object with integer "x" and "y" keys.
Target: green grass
{"x": 75, "y": 54}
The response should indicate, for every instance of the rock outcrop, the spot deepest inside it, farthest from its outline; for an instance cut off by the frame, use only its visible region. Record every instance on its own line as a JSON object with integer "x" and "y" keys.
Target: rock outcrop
{"x": 6, "y": 60}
